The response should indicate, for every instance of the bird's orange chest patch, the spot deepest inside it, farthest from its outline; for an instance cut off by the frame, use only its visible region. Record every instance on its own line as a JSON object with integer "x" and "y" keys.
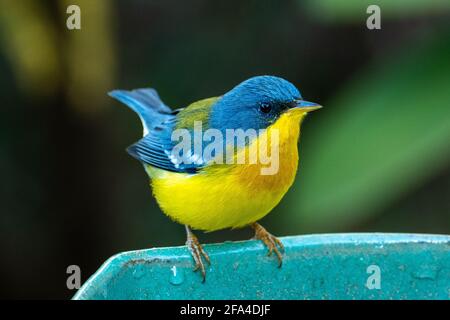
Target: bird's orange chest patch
{"x": 279, "y": 147}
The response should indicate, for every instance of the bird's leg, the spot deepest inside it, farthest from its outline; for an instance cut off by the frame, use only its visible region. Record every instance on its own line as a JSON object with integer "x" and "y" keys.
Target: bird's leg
{"x": 197, "y": 252}
{"x": 271, "y": 242}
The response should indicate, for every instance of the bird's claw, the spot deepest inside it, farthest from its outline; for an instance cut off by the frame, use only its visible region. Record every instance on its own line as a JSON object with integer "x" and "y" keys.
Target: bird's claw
{"x": 270, "y": 241}
{"x": 198, "y": 254}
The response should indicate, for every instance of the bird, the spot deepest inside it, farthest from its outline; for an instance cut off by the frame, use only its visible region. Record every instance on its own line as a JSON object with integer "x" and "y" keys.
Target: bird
{"x": 207, "y": 193}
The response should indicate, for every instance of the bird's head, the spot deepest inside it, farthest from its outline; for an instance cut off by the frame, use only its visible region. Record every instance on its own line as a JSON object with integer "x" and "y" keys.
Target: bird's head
{"x": 257, "y": 103}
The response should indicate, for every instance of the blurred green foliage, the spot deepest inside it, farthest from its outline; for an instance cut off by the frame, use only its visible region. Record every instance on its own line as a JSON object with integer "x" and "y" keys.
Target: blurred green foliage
{"x": 29, "y": 42}
{"x": 91, "y": 65}
{"x": 386, "y": 132}
{"x": 350, "y": 10}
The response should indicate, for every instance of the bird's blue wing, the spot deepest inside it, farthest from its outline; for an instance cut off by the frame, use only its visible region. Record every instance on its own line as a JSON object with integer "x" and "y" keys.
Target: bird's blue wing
{"x": 156, "y": 149}
{"x": 159, "y": 121}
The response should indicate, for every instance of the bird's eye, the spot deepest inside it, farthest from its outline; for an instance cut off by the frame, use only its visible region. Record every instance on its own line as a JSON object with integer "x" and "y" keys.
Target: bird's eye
{"x": 265, "y": 107}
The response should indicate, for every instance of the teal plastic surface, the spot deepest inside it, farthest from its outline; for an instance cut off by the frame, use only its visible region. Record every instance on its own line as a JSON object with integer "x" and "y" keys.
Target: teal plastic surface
{"x": 323, "y": 266}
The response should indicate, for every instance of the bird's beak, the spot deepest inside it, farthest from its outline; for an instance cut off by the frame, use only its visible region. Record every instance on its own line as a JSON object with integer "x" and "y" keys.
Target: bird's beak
{"x": 306, "y": 106}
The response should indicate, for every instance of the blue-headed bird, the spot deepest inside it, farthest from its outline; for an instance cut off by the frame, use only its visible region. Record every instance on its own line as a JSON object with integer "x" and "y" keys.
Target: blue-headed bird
{"x": 212, "y": 195}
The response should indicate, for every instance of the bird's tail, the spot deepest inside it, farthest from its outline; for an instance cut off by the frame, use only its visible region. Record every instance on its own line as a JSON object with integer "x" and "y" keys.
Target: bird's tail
{"x": 146, "y": 103}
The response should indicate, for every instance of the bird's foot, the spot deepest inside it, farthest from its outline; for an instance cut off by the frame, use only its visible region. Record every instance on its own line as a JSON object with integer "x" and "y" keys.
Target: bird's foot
{"x": 271, "y": 242}
{"x": 197, "y": 252}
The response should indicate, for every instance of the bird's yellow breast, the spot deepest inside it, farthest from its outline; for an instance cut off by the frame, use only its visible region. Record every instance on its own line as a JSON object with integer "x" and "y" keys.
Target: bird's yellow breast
{"x": 230, "y": 195}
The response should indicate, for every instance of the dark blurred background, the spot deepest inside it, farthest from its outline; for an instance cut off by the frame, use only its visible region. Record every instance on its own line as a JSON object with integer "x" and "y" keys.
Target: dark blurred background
{"x": 375, "y": 159}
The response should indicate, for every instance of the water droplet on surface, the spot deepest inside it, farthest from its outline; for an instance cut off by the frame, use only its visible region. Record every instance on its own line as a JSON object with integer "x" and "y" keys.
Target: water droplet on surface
{"x": 176, "y": 275}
